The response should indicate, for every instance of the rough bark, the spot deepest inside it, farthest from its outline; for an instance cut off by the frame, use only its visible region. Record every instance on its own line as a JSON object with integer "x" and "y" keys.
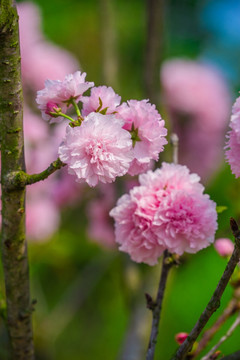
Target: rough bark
{"x": 14, "y": 247}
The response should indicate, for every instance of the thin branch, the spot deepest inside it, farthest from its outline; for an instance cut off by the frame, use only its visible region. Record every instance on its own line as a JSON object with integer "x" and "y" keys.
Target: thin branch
{"x": 154, "y": 48}
{"x": 19, "y": 179}
{"x": 223, "y": 338}
{"x": 214, "y": 302}
{"x": 156, "y": 306}
{"x": 232, "y": 307}
{"x": 175, "y": 144}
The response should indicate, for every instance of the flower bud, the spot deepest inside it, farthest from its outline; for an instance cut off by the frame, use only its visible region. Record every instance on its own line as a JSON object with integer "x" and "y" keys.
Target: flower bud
{"x": 52, "y": 109}
{"x": 181, "y": 337}
{"x": 224, "y": 247}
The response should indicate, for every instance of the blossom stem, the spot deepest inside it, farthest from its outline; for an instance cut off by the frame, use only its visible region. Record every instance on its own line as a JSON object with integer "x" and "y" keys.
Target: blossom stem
{"x": 157, "y": 305}
{"x": 214, "y": 302}
{"x": 223, "y": 338}
{"x": 65, "y": 116}
{"x": 75, "y": 105}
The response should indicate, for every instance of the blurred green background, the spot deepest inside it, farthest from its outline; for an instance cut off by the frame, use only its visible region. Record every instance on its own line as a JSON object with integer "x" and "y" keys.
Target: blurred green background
{"x": 86, "y": 295}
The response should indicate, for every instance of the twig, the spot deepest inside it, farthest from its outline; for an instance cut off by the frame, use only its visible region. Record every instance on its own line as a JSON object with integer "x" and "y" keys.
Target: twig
{"x": 214, "y": 302}
{"x": 223, "y": 338}
{"x": 156, "y": 306}
{"x": 175, "y": 143}
{"x": 19, "y": 179}
{"x": 230, "y": 310}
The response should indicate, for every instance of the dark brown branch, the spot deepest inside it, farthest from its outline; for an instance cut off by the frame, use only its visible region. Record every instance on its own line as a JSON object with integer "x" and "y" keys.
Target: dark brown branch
{"x": 214, "y": 302}
{"x": 231, "y": 309}
{"x": 157, "y": 305}
{"x": 14, "y": 247}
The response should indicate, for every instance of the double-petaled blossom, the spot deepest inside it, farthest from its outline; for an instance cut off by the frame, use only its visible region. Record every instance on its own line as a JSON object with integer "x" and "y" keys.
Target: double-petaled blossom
{"x": 58, "y": 94}
{"x": 167, "y": 211}
{"x": 98, "y": 150}
{"x": 144, "y": 123}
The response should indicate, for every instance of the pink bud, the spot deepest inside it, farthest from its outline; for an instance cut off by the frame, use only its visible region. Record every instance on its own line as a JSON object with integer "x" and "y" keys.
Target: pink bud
{"x": 52, "y": 108}
{"x": 181, "y": 337}
{"x": 224, "y": 247}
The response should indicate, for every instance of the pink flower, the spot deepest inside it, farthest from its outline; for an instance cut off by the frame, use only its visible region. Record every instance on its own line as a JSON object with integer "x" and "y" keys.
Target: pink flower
{"x": 224, "y": 247}
{"x": 198, "y": 105}
{"x": 185, "y": 222}
{"x": 61, "y": 92}
{"x": 167, "y": 211}
{"x": 133, "y": 217}
{"x": 98, "y": 150}
{"x": 109, "y": 99}
{"x": 147, "y": 130}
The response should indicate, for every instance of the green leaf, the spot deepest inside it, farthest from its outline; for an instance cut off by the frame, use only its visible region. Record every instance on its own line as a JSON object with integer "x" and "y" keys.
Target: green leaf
{"x": 220, "y": 209}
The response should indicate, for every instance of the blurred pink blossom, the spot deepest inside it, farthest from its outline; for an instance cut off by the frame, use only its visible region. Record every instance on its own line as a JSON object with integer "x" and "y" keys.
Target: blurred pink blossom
{"x": 167, "y": 211}
{"x": 109, "y": 99}
{"x": 224, "y": 247}
{"x": 198, "y": 104}
{"x": 233, "y": 142}
{"x": 42, "y": 218}
{"x": 98, "y": 150}
{"x": 148, "y": 132}
{"x": 36, "y": 68}
{"x": 100, "y": 227}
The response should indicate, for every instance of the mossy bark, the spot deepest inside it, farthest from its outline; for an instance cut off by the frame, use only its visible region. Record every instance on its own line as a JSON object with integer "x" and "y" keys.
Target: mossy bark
{"x": 14, "y": 247}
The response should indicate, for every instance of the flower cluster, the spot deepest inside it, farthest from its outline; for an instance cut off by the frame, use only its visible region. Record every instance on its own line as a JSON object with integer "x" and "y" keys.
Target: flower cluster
{"x": 106, "y": 139}
{"x": 167, "y": 211}
{"x": 233, "y": 143}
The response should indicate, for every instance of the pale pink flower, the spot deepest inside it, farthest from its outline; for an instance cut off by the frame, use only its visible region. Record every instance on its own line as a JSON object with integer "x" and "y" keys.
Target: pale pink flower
{"x": 167, "y": 211}
{"x": 98, "y": 150}
{"x": 60, "y": 92}
{"x": 224, "y": 247}
{"x": 198, "y": 104}
{"x": 148, "y": 132}
{"x": 109, "y": 99}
